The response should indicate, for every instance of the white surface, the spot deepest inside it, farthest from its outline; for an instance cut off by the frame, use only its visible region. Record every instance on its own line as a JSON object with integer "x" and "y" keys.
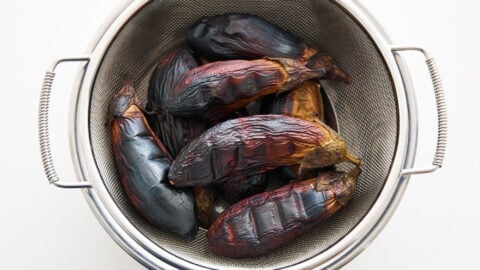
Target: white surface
{"x": 42, "y": 227}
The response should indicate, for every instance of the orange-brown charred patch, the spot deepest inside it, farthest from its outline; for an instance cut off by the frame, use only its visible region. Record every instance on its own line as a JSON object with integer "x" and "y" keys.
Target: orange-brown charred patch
{"x": 304, "y": 102}
{"x": 204, "y": 202}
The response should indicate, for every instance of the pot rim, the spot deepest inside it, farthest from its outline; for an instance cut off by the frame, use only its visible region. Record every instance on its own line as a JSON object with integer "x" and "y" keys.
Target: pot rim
{"x": 152, "y": 256}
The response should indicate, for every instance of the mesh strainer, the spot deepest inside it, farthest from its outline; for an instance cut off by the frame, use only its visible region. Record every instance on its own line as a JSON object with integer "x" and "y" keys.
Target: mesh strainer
{"x": 375, "y": 115}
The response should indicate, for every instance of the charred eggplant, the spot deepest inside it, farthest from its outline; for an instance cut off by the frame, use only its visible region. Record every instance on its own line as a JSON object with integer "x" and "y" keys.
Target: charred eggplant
{"x": 266, "y": 221}
{"x": 239, "y": 148}
{"x": 142, "y": 163}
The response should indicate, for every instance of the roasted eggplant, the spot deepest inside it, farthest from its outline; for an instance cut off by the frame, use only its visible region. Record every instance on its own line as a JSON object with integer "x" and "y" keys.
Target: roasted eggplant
{"x": 142, "y": 162}
{"x": 266, "y": 221}
{"x": 239, "y": 148}
{"x": 245, "y": 36}
{"x": 215, "y": 90}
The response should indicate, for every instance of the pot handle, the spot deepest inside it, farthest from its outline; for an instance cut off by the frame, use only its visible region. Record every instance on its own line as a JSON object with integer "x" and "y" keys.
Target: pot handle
{"x": 441, "y": 112}
{"x": 43, "y": 134}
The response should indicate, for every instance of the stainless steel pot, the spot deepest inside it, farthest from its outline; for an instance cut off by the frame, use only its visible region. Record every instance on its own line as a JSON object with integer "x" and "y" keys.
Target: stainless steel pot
{"x": 376, "y": 115}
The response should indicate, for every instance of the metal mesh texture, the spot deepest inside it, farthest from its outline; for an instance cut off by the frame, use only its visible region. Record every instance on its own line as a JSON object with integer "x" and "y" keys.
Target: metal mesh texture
{"x": 366, "y": 109}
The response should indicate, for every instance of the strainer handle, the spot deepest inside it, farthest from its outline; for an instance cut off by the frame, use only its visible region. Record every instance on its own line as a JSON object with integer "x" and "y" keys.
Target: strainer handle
{"x": 44, "y": 138}
{"x": 441, "y": 112}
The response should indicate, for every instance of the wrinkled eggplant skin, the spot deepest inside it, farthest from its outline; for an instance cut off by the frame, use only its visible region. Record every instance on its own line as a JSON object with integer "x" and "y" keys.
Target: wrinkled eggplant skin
{"x": 244, "y": 36}
{"x": 239, "y": 148}
{"x": 175, "y": 132}
{"x": 142, "y": 163}
{"x": 171, "y": 67}
{"x": 263, "y": 222}
{"x": 217, "y": 89}
{"x": 234, "y": 191}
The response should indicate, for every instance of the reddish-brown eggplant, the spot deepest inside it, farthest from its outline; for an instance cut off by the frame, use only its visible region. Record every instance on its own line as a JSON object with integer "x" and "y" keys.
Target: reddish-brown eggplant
{"x": 245, "y": 36}
{"x": 269, "y": 220}
{"x": 175, "y": 132}
{"x": 142, "y": 163}
{"x": 217, "y": 89}
{"x": 238, "y": 148}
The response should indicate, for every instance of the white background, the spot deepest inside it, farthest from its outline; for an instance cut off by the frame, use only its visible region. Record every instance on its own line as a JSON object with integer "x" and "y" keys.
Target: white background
{"x": 43, "y": 227}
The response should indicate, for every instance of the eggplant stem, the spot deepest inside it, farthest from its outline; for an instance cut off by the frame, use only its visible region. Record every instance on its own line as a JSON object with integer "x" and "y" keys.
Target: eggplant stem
{"x": 353, "y": 159}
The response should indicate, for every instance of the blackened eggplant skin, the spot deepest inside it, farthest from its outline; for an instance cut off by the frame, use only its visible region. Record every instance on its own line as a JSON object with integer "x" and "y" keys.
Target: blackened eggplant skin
{"x": 175, "y": 132}
{"x": 234, "y": 191}
{"x": 215, "y": 90}
{"x": 266, "y": 221}
{"x": 142, "y": 163}
{"x": 242, "y": 147}
{"x": 245, "y": 36}
{"x": 168, "y": 71}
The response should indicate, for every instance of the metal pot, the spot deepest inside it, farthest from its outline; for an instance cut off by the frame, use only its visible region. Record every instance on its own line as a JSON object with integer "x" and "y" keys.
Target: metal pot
{"x": 376, "y": 115}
